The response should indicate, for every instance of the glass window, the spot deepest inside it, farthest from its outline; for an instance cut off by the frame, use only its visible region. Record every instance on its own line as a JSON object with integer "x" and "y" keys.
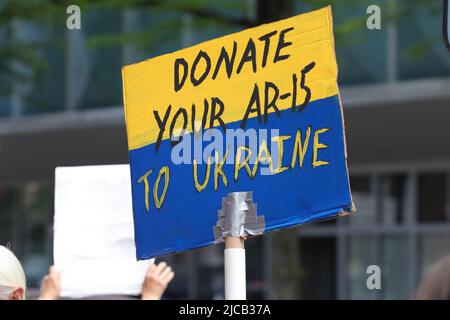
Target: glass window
{"x": 148, "y": 43}
{"x": 362, "y": 252}
{"x": 360, "y": 52}
{"x": 393, "y": 194}
{"x": 5, "y": 215}
{"x": 365, "y": 201}
{"x": 390, "y": 254}
{"x": 254, "y": 248}
{"x": 26, "y": 223}
{"x": 98, "y": 80}
{"x": 204, "y": 30}
{"x": 37, "y": 208}
{"x": 210, "y": 271}
{"x": 5, "y": 90}
{"x": 184, "y": 279}
{"x": 47, "y": 92}
{"x": 432, "y": 191}
{"x": 318, "y": 268}
{"x": 422, "y": 53}
{"x": 11, "y": 221}
{"x": 5, "y": 105}
{"x": 395, "y": 268}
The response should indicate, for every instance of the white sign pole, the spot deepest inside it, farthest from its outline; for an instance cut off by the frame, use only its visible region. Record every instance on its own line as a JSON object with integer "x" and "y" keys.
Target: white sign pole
{"x": 235, "y": 279}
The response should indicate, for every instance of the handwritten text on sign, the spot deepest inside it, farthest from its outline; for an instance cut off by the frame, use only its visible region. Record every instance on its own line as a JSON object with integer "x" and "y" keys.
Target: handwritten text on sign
{"x": 252, "y": 111}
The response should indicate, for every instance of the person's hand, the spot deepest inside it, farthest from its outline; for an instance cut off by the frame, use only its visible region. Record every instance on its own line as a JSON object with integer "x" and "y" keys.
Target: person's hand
{"x": 51, "y": 285}
{"x": 156, "y": 281}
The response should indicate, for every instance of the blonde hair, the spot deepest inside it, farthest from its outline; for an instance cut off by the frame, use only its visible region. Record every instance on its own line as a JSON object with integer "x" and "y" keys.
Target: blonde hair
{"x": 11, "y": 272}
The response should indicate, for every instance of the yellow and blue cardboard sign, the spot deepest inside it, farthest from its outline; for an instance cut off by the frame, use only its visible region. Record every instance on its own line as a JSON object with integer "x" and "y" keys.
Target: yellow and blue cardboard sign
{"x": 257, "y": 110}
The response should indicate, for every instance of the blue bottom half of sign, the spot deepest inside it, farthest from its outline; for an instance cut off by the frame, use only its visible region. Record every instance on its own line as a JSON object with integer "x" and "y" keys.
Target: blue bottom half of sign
{"x": 316, "y": 190}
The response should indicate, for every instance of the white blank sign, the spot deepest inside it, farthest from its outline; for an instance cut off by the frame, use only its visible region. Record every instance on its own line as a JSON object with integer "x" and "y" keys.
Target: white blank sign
{"x": 93, "y": 232}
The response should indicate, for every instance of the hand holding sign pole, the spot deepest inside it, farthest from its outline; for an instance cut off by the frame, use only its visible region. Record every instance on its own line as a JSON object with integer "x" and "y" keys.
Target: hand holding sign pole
{"x": 257, "y": 111}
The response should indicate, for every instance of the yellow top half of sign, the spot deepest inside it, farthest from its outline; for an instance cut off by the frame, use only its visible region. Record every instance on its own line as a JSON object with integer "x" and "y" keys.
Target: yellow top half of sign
{"x": 148, "y": 86}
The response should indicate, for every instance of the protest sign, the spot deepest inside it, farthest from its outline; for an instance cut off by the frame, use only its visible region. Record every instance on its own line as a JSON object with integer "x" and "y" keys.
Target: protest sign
{"x": 93, "y": 232}
{"x": 257, "y": 111}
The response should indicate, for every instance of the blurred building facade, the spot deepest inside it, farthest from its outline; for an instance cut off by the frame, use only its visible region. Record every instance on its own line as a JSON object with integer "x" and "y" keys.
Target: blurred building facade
{"x": 397, "y": 110}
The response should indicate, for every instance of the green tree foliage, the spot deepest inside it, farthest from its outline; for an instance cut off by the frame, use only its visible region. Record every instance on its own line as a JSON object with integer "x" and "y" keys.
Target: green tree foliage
{"x": 20, "y": 59}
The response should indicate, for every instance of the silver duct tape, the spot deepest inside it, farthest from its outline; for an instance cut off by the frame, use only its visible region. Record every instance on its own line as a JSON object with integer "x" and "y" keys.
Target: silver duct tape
{"x": 238, "y": 218}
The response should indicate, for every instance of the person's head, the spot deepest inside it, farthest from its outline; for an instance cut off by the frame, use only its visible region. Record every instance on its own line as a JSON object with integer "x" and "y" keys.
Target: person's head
{"x": 12, "y": 276}
{"x": 436, "y": 283}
